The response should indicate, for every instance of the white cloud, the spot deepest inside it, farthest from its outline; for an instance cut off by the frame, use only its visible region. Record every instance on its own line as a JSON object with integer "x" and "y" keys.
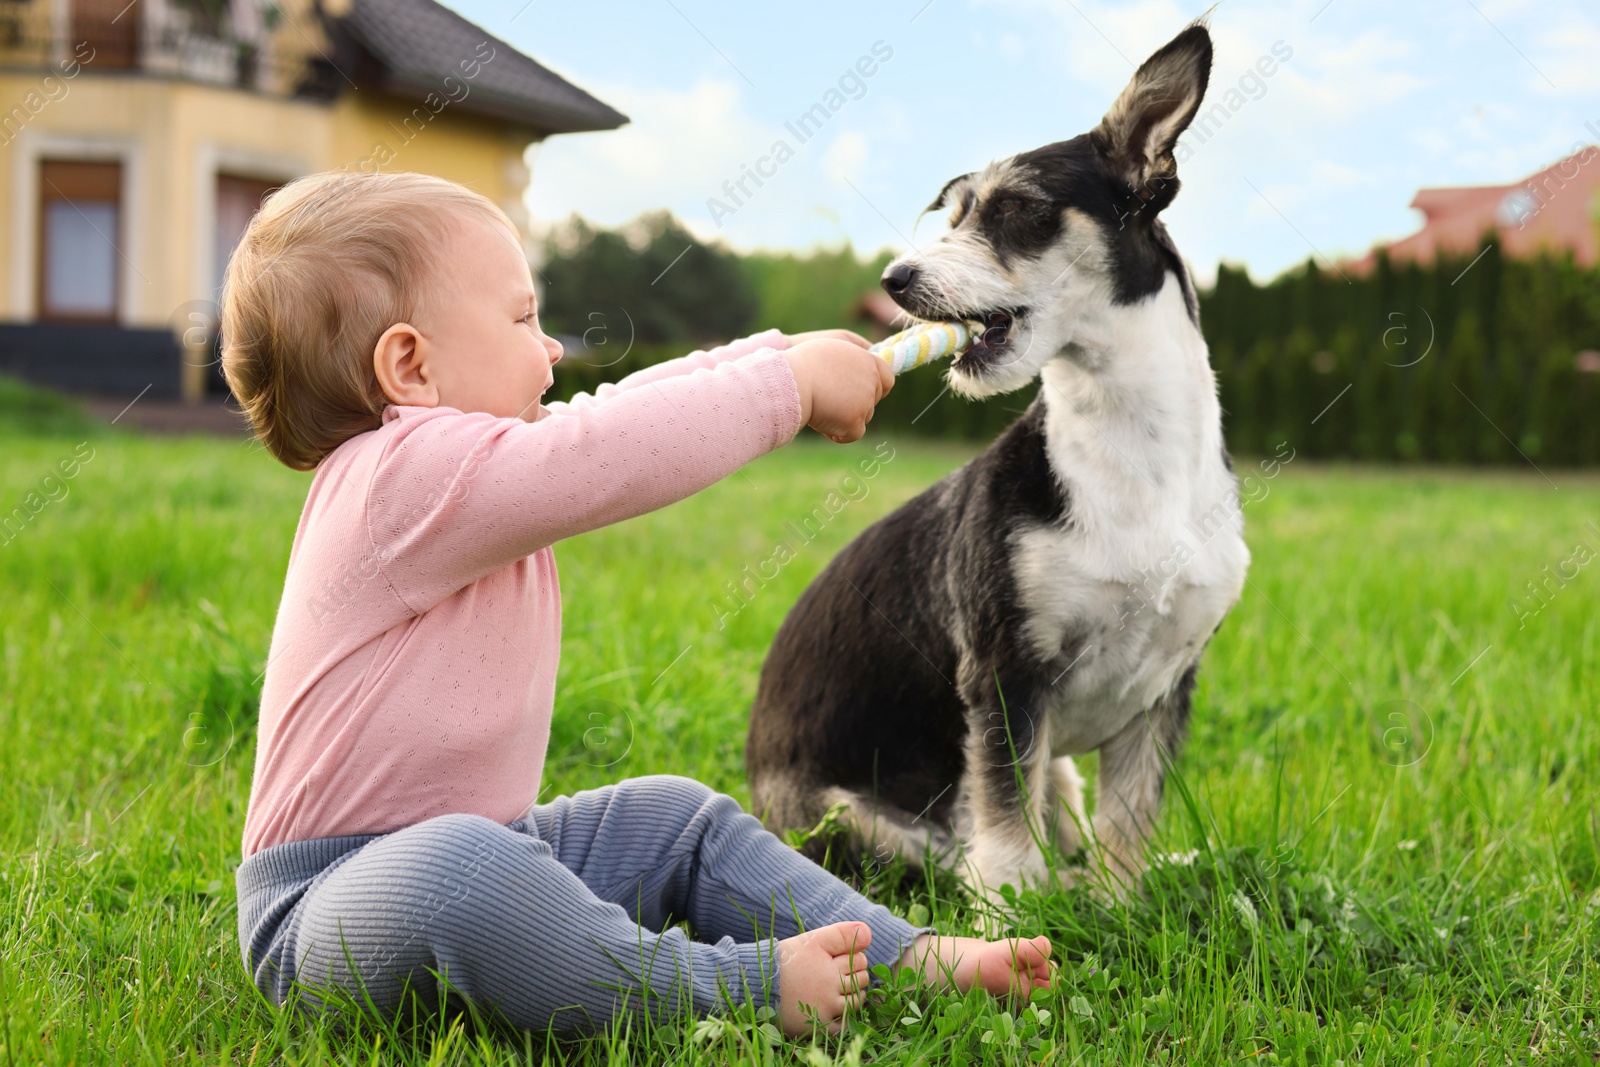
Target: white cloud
{"x": 1276, "y": 198}
{"x": 680, "y": 147}
{"x": 1569, "y": 55}
{"x": 1101, "y": 43}
{"x": 686, "y": 147}
{"x": 1327, "y": 173}
{"x": 846, "y": 157}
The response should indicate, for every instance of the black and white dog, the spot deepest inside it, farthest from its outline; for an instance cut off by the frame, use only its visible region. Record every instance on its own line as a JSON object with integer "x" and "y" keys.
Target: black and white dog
{"x": 1053, "y": 596}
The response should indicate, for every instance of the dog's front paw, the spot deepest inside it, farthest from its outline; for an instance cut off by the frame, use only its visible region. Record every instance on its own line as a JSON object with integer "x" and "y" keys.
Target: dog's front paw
{"x": 1076, "y": 877}
{"x": 1071, "y": 821}
{"x": 994, "y": 882}
{"x": 1109, "y": 885}
{"x": 996, "y": 915}
{"x": 1109, "y": 879}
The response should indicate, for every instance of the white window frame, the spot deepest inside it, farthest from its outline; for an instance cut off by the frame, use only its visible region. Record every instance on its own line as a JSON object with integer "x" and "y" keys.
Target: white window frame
{"x": 136, "y": 292}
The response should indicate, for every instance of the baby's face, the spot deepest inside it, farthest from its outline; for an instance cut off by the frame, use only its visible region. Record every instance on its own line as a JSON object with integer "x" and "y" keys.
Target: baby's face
{"x": 488, "y": 352}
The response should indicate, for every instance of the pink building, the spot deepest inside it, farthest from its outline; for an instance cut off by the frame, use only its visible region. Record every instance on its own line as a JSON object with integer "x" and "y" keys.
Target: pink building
{"x": 1555, "y": 209}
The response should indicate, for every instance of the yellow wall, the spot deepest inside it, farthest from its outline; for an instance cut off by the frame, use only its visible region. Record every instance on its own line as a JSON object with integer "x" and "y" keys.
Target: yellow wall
{"x": 374, "y": 131}
{"x": 174, "y": 136}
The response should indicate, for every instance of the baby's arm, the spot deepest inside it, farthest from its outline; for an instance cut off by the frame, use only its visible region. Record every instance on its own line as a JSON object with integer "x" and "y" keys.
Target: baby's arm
{"x": 672, "y": 368}
{"x": 454, "y": 496}
{"x": 457, "y": 496}
{"x": 701, "y": 360}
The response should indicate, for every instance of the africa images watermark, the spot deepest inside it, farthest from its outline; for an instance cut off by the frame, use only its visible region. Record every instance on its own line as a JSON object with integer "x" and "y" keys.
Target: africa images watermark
{"x": 454, "y": 90}
{"x": 336, "y": 596}
{"x": 52, "y": 488}
{"x": 753, "y": 579}
{"x": 1155, "y": 583}
{"x": 852, "y": 85}
{"x": 1251, "y": 85}
{"x": 53, "y": 88}
{"x": 1229, "y": 101}
{"x": 1542, "y": 592}
{"x": 1522, "y": 205}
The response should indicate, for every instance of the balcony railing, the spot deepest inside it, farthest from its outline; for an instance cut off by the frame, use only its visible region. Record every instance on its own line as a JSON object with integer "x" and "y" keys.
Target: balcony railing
{"x": 165, "y": 49}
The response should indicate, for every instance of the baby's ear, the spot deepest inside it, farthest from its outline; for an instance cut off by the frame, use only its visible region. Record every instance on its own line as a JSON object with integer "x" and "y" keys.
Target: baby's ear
{"x": 402, "y": 371}
{"x": 1140, "y": 131}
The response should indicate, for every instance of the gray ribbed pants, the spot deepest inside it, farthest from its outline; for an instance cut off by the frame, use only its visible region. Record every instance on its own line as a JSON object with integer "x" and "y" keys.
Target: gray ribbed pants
{"x": 561, "y": 919}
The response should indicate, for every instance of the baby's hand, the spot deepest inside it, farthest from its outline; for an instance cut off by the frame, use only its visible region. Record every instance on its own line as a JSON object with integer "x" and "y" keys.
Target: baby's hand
{"x": 840, "y": 383}
{"x": 838, "y": 335}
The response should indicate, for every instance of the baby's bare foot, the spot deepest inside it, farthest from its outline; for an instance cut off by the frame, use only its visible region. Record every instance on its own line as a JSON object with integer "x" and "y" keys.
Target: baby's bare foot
{"x": 822, "y": 974}
{"x": 1012, "y": 965}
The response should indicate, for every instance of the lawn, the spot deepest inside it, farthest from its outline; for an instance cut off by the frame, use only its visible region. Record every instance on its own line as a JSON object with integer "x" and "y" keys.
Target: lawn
{"x": 1385, "y": 830}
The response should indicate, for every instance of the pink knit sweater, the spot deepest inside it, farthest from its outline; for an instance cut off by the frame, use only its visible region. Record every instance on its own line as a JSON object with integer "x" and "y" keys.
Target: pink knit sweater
{"x": 413, "y": 661}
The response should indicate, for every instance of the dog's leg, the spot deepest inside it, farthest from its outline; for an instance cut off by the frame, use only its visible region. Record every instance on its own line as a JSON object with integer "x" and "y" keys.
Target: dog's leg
{"x": 884, "y": 833}
{"x": 1133, "y": 770}
{"x": 1071, "y": 820}
{"x": 1007, "y": 790}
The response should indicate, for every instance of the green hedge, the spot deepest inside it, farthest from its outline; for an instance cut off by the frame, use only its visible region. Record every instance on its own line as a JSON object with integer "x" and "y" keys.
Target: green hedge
{"x": 1469, "y": 361}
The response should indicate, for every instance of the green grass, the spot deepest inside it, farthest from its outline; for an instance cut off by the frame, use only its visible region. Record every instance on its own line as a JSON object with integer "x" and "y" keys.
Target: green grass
{"x": 28, "y": 409}
{"x": 1398, "y": 853}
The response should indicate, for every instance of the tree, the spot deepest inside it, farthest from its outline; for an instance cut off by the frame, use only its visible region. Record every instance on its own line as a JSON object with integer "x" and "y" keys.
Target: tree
{"x": 815, "y": 291}
{"x": 651, "y": 277}
{"x": 1333, "y": 433}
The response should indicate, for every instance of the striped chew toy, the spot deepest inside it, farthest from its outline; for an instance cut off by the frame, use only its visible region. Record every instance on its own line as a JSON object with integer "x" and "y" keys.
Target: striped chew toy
{"x": 923, "y": 343}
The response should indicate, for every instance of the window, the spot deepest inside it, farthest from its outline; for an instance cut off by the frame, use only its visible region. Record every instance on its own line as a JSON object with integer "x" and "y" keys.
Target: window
{"x": 238, "y": 200}
{"x": 80, "y": 224}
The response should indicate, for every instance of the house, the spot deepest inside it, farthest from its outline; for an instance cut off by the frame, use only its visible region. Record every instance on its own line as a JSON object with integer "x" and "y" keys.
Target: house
{"x": 137, "y": 137}
{"x": 1556, "y": 210}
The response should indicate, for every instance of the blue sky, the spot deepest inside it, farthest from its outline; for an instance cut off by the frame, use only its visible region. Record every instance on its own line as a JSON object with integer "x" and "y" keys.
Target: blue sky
{"x": 1322, "y": 157}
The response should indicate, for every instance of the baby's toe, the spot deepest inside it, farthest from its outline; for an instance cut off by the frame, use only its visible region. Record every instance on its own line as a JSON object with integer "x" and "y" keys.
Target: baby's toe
{"x": 1034, "y": 953}
{"x": 844, "y": 939}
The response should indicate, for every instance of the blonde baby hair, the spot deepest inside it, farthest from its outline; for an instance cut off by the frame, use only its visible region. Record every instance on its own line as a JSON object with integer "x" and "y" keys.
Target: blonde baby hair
{"x": 329, "y": 263}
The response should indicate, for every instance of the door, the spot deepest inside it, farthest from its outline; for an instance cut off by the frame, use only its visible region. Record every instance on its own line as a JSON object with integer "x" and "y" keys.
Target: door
{"x": 80, "y": 238}
{"x": 238, "y": 199}
{"x": 111, "y": 28}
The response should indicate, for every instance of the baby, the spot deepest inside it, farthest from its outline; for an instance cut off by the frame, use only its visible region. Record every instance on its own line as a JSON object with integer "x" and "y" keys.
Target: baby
{"x": 381, "y": 329}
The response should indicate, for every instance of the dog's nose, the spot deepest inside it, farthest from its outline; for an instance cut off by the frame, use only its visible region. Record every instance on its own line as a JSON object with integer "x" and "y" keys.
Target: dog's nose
{"x": 898, "y": 278}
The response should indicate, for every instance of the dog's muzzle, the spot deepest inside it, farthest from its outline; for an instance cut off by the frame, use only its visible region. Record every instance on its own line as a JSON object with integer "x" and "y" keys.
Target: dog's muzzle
{"x": 992, "y": 344}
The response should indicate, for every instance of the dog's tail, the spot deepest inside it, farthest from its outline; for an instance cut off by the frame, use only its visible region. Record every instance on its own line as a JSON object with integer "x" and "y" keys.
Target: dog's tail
{"x": 838, "y": 826}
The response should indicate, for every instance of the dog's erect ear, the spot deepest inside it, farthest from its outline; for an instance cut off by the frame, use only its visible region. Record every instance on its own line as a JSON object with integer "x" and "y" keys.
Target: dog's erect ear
{"x": 1139, "y": 132}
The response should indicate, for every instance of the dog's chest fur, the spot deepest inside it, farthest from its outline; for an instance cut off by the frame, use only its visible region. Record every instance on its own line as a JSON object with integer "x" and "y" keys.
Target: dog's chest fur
{"x": 1121, "y": 598}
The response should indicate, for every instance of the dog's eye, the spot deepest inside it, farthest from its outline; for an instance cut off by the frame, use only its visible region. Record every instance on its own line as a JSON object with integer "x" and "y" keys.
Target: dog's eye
{"x": 1006, "y": 206}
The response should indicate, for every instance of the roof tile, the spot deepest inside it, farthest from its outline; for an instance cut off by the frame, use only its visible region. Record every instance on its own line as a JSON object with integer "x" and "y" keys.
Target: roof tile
{"x": 417, "y": 43}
